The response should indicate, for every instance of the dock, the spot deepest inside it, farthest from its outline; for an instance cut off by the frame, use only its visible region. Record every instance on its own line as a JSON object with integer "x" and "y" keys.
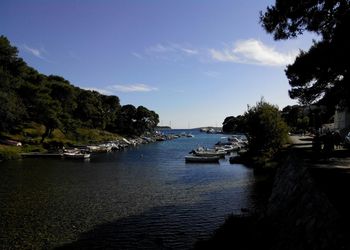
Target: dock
{"x": 42, "y": 155}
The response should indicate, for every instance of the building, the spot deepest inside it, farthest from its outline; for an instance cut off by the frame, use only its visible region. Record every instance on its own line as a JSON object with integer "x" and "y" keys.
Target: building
{"x": 342, "y": 120}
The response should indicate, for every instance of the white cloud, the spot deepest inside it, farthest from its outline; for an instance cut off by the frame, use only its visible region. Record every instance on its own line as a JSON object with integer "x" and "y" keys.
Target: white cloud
{"x": 253, "y": 51}
{"x": 223, "y": 56}
{"x": 33, "y": 51}
{"x": 160, "y": 48}
{"x": 137, "y": 55}
{"x": 101, "y": 91}
{"x": 125, "y": 88}
{"x": 171, "y": 51}
{"x": 138, "y": 87}
{"x": 189, "y": 51}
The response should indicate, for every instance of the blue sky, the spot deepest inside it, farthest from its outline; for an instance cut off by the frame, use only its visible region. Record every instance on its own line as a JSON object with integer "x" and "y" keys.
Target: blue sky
{"x": 193, "y": 62}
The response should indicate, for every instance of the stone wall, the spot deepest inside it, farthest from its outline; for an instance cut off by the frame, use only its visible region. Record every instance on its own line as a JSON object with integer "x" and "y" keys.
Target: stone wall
{"x": 301, "y": 216}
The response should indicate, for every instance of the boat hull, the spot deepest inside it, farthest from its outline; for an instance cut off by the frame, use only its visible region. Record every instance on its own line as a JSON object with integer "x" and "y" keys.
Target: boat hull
{"x": 202, "y": 159}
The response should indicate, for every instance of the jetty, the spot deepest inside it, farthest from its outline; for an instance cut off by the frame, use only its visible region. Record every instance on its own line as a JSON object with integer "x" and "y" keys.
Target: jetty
{"x": 42, "y": 155}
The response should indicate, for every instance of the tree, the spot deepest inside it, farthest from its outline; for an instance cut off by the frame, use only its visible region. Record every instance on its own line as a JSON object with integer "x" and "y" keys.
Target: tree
{"x": 146, "y": 120}
{"x": 27, "y": 96}
{"x": 110, "y": 109}
{"x": 323, "y": 71}
{"x": 266, "y": 130}
{"x": 12, "y": 111}
{"x": 291, "y": 114}
{"x": 233, "y": 124}
{"x": 89, "y": 109}
{"x": 126, "y": 120}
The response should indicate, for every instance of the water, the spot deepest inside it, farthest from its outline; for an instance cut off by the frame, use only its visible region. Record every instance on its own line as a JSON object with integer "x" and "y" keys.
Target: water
{"x": 141, "y": 198}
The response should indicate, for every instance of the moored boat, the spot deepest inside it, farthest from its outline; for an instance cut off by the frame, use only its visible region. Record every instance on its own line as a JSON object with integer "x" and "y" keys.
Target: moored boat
{"x": 76, "y": 155}
{"x": 202, "y": 159}
{"x": 228, "y": 148}
{"x": 208, "y": 152}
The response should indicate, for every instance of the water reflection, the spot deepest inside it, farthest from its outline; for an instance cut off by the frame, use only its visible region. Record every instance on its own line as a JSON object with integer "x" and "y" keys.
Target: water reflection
{"x": 142, "y": 197}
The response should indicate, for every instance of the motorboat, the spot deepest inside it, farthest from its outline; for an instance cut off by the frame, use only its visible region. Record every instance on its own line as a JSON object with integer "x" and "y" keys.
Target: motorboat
{"x": 208, "y": 152}
{"x": 228, "y": 148}
{"x": 76, "y": 155}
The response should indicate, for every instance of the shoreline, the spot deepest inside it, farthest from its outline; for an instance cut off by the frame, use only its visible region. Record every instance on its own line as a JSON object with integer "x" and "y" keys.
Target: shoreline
{"x": 16, "y": 151}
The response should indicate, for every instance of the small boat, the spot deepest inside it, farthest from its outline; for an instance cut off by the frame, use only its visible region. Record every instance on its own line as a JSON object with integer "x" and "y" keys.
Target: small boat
{"x": 208, "y": 152}
{"x": 228, "y": 148}
{"x": 102, "y": 148}
{"x": 202, "y": 159}
{"x": 76, "y": 155}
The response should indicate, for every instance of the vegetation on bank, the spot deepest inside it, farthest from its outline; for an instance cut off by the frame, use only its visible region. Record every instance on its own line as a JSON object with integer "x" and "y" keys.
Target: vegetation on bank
{"x": 266, "y": 132}
{"x": 42, "y": 110}
{"x": 31, "y": 136}
{"x": 9, "y": 152}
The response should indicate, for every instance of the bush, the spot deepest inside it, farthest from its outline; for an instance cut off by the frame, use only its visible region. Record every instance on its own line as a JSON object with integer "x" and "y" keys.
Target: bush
{"x": 267, "y": 132}
{"x": 9, "y": 152}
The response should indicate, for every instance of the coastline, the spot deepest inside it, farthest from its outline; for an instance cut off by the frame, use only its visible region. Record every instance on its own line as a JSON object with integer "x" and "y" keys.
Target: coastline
{"x": 17, "y": 151}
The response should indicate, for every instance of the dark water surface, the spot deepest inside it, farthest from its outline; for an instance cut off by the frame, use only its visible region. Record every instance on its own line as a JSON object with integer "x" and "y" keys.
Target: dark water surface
{"x": 141, "y": 198}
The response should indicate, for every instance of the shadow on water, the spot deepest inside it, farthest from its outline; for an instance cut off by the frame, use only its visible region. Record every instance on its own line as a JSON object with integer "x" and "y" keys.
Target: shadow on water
{"x": 171, "y": 226}
{"x": 164, "y": 227}
{"x": 140, "y": 198}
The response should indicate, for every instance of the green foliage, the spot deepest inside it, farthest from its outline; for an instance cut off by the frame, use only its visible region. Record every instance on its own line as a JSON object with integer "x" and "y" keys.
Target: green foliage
{"x": 93, "y": 135}
{"x": 323, "y": 72}
{"x": 303, "y": 123}
{"x": 233, "y": 124}
{"x": 33, "y": 130}
{"x": 266, "y": 130}
{"x": 9, "y": 152}
{"x": 26, "y": 96}
{"x": 306, "y": 117}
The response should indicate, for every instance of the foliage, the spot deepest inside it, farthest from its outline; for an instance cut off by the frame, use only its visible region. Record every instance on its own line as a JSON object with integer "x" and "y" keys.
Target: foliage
{"x": 266, "y": 130}
{"x": 306, "y": 117}
{"x": 233, "y": 124}
{"x": 9, "y": 152}
{"x": 93, "y": 135}
{"x": 26, "y": 96}
{"x": 323, "y": 71}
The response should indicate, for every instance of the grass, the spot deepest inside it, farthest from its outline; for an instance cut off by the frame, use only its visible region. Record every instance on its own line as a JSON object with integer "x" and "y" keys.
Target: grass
{"x": 85, "y": 135}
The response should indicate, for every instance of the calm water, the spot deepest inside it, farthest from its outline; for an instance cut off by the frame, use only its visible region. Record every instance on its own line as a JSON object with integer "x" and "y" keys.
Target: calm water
{"x": 141, "y": 198}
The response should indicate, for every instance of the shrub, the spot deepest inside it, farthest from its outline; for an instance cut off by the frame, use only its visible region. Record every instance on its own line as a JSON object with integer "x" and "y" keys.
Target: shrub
{"x": 9, "y": 152}
{"x": 267, "y": 132}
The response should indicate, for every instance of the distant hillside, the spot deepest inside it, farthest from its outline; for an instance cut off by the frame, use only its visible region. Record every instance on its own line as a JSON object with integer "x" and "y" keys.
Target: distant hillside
{"x": 162, "y": 127}
{"x": 27, "y": 96}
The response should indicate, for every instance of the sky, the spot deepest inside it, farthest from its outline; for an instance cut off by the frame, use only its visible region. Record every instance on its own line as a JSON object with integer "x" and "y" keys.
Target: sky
{"x": 193, "y": 62}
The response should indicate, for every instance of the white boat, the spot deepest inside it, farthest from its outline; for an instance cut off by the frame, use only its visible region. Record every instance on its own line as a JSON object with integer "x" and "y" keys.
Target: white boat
{"x": 209, "y": 152}
{"x": 76, "y": 155}
{"x": 228, "y": 148}
{"x": 102, "y": 148}
{"x": 202, "y": 159}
